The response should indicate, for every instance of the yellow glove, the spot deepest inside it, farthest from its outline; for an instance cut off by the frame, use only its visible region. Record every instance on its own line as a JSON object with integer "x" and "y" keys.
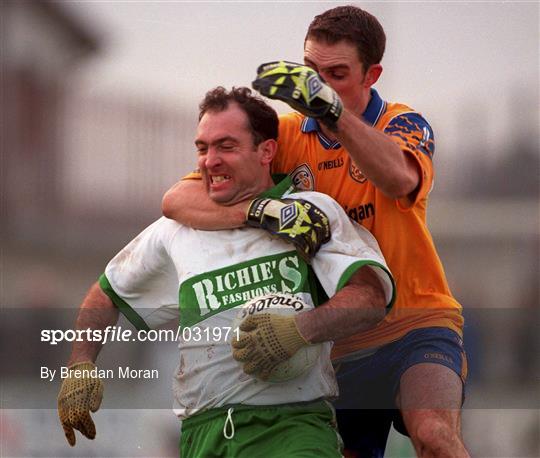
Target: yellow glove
{"x": 302, "y": 88}
{"x": 78, "y": 396}
{"x": 298, "y": 222}
{"x": 266, "y": 340}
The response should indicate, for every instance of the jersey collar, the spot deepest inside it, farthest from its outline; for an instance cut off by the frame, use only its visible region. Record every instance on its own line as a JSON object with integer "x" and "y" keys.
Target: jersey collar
{"x": 375, "y": 108}
{"x": 371, "y": 115}
{"x": 284, "y": 186}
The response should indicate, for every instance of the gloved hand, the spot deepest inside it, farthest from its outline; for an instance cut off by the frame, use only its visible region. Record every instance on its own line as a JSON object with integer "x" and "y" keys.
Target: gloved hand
{"x": 266, "y": 340}
{"x": 295, "y": 221}
{"x": 77, "y": 397}
{"x": 301, "y": 88}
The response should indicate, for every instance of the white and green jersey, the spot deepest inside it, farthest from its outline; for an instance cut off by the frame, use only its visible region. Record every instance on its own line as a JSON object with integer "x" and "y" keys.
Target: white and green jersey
{"x": 203, "y": 277}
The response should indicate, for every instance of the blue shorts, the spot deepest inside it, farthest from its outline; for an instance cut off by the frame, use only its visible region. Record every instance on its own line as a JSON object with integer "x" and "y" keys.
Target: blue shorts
{"x": 368, "y": 386}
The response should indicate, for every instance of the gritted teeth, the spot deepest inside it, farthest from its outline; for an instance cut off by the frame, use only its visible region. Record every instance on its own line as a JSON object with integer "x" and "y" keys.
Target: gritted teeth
{"x": 219, "y": 178}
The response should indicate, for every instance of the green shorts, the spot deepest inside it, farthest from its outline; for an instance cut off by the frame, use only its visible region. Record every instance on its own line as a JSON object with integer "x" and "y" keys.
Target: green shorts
{"x": 291, "y": 430}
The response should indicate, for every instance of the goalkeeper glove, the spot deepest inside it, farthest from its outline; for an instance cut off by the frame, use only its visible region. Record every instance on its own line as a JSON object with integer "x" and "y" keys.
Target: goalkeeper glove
{"x": 301, "y": 88}
{"x": 295, "y": 221}
{"x": 266, "y": 340}
{"x": 78, "y": 396}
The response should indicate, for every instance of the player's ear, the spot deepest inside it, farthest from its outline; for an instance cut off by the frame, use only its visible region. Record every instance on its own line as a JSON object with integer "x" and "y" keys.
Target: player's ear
{"x": 268, "y": 149}
{"x": 372, "y": 75}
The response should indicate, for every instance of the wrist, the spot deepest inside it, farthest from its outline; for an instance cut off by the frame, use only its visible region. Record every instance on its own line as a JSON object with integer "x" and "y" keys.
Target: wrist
{"x": 254, "y": 212}
{"x": 302, "y": 323}
{"x": 74, "y": 362}
{"x": 263, "y": 207}
{"x": 299, "y": 321}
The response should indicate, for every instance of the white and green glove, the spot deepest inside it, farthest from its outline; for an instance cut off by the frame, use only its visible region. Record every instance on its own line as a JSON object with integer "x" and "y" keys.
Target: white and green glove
{"x": 301, "y": 88}
{"x": 77, "y": 398}
{"x": 298, "y": 222}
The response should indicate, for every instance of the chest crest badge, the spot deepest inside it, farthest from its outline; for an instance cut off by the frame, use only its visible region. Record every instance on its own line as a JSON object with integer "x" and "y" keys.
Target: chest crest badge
{"x": 355, "y": 173}
{"x": 302, "y": 178}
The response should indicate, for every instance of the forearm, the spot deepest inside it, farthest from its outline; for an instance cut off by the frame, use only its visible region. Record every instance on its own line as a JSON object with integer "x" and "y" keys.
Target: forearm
{"x": 188, "y": 203}
{"x": 357, "y": 307}
{"x": 96, "y": 313}
{"x": 378, "y": 157}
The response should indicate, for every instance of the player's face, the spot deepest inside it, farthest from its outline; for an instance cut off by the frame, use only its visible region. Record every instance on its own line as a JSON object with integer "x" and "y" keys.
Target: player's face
{"x": 232, "y": 167}
{"x": 341, "y": 68}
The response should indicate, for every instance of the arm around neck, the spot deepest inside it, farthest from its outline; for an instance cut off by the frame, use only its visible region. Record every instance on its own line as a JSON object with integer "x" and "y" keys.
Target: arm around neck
{"x": 187, "y": 202}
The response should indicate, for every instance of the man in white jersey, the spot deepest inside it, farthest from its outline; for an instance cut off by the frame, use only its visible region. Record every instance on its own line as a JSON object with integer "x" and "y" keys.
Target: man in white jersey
{"x": 204, "y": 277}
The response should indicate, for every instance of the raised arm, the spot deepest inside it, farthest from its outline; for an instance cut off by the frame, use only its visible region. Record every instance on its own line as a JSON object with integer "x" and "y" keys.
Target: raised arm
{"x": 380, "y": 158}
{"x": 188, "y": 203}
{"x": 82, "y": 390}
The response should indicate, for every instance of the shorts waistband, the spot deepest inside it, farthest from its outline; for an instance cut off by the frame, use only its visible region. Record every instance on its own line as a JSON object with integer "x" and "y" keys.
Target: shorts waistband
{"x": 216, "y": 412}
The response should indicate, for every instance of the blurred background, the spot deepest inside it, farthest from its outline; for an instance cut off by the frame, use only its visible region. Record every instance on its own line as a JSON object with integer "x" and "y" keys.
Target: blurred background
{"x": 99, "y": 107}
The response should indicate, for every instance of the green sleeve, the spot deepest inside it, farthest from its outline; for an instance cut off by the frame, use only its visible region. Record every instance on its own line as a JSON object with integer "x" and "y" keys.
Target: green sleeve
{"x": 349, "y": 271}
{"x": 134, "y": 318}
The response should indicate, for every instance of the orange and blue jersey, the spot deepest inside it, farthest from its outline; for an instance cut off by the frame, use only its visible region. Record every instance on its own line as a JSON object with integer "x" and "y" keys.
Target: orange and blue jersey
{"x": 318, "y": 163}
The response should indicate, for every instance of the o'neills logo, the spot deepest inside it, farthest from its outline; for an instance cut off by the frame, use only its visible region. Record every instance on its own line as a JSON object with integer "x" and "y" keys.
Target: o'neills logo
{"x": 207, "y": 294}
{"x": 334, "y": 164}
{"x": 302, "y": 178}
{"x": 356, "y": 174}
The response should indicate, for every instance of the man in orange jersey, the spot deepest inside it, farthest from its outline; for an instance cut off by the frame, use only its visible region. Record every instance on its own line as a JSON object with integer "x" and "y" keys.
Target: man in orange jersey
{"x": 375, "y": 159}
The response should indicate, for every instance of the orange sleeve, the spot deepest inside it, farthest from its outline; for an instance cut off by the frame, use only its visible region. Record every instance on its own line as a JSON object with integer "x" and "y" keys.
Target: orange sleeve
{"x": 414, "y": 136}
{"x": 195, "y": 175}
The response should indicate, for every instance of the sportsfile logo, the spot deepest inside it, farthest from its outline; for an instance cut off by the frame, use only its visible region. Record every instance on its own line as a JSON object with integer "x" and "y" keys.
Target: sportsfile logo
{"x": 205, "y": 295}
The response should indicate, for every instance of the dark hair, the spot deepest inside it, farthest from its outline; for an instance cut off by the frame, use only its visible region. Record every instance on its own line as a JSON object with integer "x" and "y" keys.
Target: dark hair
{"x": 354, "y": 25}
{"x": 263, "y": 119}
